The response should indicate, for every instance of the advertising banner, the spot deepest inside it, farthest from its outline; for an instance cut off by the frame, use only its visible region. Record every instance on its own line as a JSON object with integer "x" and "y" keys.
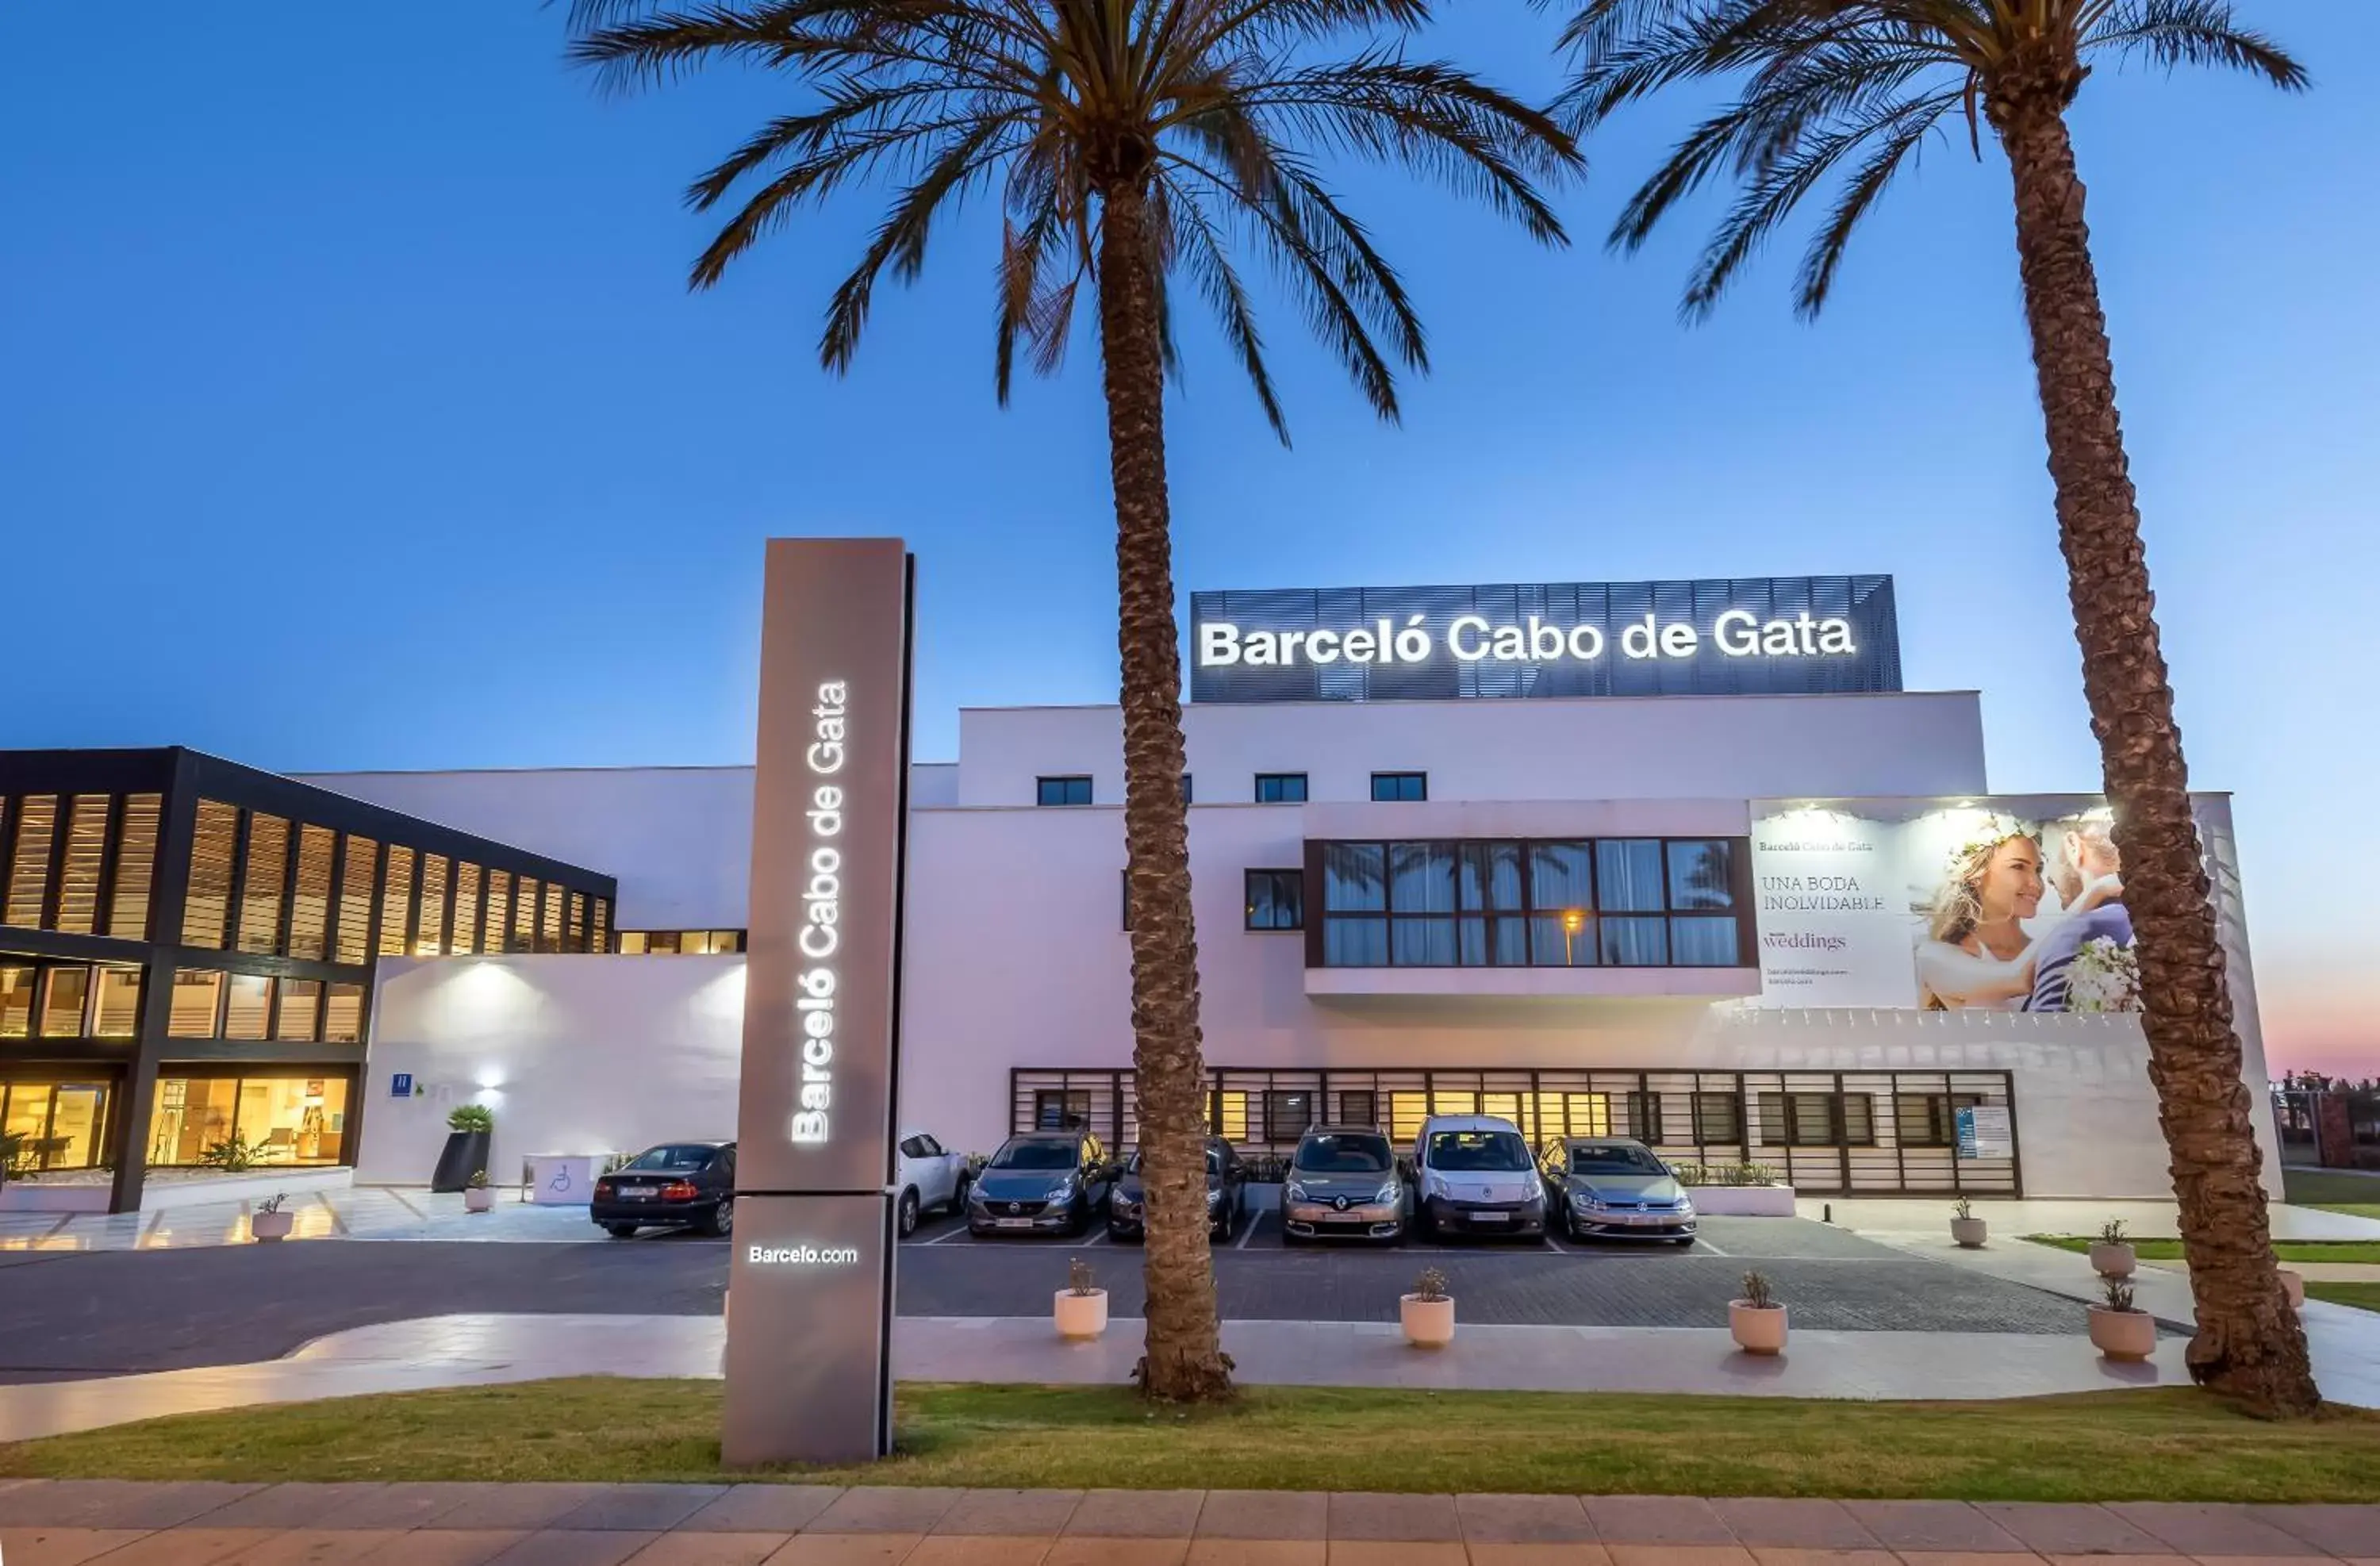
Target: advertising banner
{"x": 810, "y": 1269}
{"x": 2005, "y": 904}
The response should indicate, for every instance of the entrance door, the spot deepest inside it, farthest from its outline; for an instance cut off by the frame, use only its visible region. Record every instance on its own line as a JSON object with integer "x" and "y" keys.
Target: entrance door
{"x": 59, "y": 1123}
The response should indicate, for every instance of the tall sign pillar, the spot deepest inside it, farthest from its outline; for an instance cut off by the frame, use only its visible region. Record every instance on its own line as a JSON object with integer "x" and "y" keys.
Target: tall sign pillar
{"x": 809, "y": 1338}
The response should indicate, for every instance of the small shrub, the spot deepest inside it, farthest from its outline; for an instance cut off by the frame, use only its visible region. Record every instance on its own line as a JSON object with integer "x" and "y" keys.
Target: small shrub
{"x": 2112, "y": 1233}
{"x": 479, "y": 1181}
{"x": 470, "y": 1117}
{"x": 234, "y": 1155}
{"x": 270, "y": 1204}
{"x": 1430, "y": 1286}
{"x": 1962, "y": 1208}
{"x": 2118, "y": 1292}
{"x": 1757, "y": 1292}
{"x": 1079, "y": 1280}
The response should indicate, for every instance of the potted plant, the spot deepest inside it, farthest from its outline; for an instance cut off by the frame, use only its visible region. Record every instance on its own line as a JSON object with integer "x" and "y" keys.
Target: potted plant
{"x": 1081, "y": 1308}
{"x": 12, "y": 1148}
{"x": 468, "y": 1130}
{"x": 271, "y": 1220}
{"x": 1757, "y": 1319}
{"x": 234, "y": 1155}
{"x": 1427, "y": 1314}
{"x": 478, "y": 1195}
{"x": 2119, "y": 1328}
{"x": 2111, "y": 1253}
{"x": 1965, "y": 1227}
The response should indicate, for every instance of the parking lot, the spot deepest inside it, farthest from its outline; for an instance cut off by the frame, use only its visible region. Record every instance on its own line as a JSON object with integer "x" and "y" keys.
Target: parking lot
{"x": 1831, "y": 1279}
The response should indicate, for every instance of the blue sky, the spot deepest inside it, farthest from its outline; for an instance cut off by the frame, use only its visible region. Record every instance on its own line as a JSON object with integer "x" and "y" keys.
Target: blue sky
{"x": 355, "y": 413}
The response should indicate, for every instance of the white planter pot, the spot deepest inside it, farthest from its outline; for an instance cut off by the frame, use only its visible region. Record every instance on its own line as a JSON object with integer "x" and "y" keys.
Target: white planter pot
{"x": 1081, "y": 1316}
{"x": 1757, "y": 1329}
{"x": 2112, "y": 1261}
{"x": 1429, "y": 1324}
{"x": 479, "y": 1198}
{"x": 2127, "y": 1335}
{"x": 1968, "y": 1233}
{"x": 1743, "y": 1201}
{"x": 2294, "y": 1287}
{"x": 270, "y": 1225}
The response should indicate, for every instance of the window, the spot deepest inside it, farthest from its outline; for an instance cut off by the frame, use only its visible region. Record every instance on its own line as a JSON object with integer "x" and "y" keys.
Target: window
{"x": 1586, "y": 1114}
{"x": 500, "y": 911}
{"x": 549, "y": 919}
{"x": 17, "y": 1000}
{"x": 1718, "y": 1117}
{"x": 29, "y": 869}
{"x": 206, "y": 905}
{"x": 343, "y": 1015}
{"x": 310, "y": 899}
{"x": 1930, "y": 1119}
{"x": 86, "y": 850}
{"x": 290, "y": 1118}
{"x": 1125, "y": 877}
{"x": 575, "y": 935}
{"x": 60, "y": 1122}
{"x": 1186, "y": 789}
{"x": 1358, "y": 1108}
{"x": 262, "y": 883}
{"x": 429, "y": 938}
{"x": 136, "y": 866}
{"x": 1287, "y": 1115}
{"x": 1622, "y": 901}
{"x": 247, "y": 1001}
{"x": 1061, "y": 1109}
{"x": 301, "y": 1009}
{"x": 599, "y": 929}
{"x": 1816, "y": 1119}
{"x": 62, "y": 998}
{"x": 1644, "y": 1116}
{"x": 198, "y": 997}
{"x": 679, "y": 943}
{"x": 1226, "y": 1116}
{"x": 1281, "y": 788}
{"x": 116, "y": 1012}
{"x": 467, "y": 910}
{"x": 397, "y": 904}
{"x": 524, "y": 938}
{"x": 355, "y": 901}
{"x": 1276, "y": 900}
{"x": 1400, "y": 787}
{"x": 1061, "y": 791}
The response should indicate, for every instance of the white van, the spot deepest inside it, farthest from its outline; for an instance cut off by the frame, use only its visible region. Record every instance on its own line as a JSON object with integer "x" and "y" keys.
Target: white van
{"x": 1473, "y": 1175}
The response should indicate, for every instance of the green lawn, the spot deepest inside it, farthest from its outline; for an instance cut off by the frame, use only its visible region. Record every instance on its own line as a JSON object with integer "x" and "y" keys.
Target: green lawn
{"x": 2362, "y": 1296}
{"x": 2287, "y": 1250}
{"x": 2334, "y": 1190}
{"x": 2172, "y": 1443}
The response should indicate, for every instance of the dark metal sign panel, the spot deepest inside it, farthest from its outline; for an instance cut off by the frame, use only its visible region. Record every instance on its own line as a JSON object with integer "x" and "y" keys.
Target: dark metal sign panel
{"x": 1758, "y": 635}
{"x": 811, "y": 1275}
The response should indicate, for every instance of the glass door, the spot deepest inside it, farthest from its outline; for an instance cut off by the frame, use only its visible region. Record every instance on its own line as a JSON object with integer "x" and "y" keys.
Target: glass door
{"x": 60, "y": 1124}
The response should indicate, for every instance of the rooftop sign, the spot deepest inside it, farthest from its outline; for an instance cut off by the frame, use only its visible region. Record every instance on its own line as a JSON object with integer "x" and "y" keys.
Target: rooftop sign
{"x": 1732, "y": 636}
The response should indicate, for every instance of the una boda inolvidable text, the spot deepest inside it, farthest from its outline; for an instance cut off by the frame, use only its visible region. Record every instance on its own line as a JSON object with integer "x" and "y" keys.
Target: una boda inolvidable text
{"x": 1472, "y": 638}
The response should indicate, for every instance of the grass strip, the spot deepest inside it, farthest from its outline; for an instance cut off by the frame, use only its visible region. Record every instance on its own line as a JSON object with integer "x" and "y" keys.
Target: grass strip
{"x": 2363, "y": 1251}
{"x": 2357, "y": 1195}
{"x": 2362, "y": 1296}
{"x": 2160, "y": 1444}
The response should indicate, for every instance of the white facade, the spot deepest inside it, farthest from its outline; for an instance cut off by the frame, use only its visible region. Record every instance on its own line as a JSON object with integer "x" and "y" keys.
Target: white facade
{"x": 1016, "y": 960}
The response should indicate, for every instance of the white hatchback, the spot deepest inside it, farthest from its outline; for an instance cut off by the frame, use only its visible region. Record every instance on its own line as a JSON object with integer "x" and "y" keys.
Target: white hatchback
{"x": 1473, "y": 1175}
{"x": 930, "y": 1176}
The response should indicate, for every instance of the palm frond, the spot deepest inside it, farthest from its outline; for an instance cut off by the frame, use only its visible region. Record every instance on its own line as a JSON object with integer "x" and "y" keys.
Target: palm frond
{"x": 2194, "y": 32}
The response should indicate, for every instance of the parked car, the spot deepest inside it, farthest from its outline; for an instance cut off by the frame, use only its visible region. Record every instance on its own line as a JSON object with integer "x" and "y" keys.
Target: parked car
{"x": 930, "y": 1175}
{"x": 1474, "y": 1175}
{"x": 1342, "y": 1181}
{"x": 1227, "y": 1181}
{"x": 674, "y": 1185}
{"x": 1615, "y": 1188}
{"x": 1044, "y": 1181}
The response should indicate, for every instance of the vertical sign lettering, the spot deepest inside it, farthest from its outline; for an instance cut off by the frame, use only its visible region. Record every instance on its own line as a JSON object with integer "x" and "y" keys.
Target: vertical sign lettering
{"x": 811, "y": 1269}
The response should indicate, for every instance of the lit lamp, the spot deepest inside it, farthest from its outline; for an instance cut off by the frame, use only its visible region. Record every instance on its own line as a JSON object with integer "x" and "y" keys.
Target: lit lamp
{"x": 1573, "y": 921}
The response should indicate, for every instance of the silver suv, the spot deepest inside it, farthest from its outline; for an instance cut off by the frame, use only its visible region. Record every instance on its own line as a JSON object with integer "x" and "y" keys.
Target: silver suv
{"x": 1475, "y": 1176}
{"x": 1343, "y": 1182}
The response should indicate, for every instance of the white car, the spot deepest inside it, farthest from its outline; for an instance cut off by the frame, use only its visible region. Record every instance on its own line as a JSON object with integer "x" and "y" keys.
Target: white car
{"x": 930, "y": 1176}
{"x": 1474, "y": 1175}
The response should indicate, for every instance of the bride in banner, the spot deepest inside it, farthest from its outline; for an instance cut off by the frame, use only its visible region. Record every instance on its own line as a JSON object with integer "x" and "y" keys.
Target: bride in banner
{"x": 1977, "y": 953}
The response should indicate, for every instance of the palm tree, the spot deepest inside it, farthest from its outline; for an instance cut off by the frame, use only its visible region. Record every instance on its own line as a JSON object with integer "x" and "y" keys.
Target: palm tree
{"x": 1132, "y": 143}
{"x": 1853, "y": 87}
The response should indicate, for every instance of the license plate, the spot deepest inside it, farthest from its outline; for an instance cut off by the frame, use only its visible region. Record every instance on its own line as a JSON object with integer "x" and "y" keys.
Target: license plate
{"x": 636, "y": 1193}
{"x": 1011, "y": 1223}
{"x": 1491, "y": 1218}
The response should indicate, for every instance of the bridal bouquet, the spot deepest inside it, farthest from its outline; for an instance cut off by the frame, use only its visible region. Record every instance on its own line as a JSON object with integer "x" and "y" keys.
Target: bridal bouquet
{"x": 2106, "y": 976}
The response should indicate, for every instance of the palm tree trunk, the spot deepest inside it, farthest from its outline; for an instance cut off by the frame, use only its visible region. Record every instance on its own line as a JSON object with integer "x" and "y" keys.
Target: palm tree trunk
{"x": 2249, "y": 1343}
{"x": 1184, "y": 1359}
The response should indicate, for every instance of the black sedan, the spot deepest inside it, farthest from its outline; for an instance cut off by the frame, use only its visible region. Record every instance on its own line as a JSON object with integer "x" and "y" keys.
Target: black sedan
{"x": 675, "y": 1185}
{"x": 1227, "y": 1180}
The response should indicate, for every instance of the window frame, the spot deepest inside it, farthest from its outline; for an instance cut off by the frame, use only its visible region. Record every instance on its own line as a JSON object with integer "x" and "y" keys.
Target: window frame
{"x": 1282, "y": 782}
{"x": 1065, "y": 782}
{"x": 1421, "y": 780}
{"x": 1295, "y": 879}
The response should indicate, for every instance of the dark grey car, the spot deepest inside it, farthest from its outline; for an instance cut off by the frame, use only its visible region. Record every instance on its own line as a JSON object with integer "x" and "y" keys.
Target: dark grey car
{"x": 1614, "y": 1188}
{"x": 1226, "y": 1194}
{"x": 1342, "y": 1183}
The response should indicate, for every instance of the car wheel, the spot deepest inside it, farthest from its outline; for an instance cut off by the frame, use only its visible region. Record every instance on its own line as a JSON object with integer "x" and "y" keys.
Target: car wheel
{"x": 620, "y": 1231}
{"x": 908, "y": 1219}
{"x": 722, "y": 1221}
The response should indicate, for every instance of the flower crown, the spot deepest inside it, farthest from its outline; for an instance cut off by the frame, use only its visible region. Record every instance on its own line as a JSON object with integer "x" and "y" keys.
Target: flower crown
{"x": 1996, "y": 830}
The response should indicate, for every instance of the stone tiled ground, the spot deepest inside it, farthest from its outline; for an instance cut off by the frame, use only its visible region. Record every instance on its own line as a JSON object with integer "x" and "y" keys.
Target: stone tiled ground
{"x": 66, "y": 1523}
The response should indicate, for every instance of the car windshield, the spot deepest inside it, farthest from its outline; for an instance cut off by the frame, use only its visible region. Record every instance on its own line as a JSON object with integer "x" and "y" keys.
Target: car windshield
{"x": 1478, "y": 1151}
{"x": 1034, "y": 1155}
{"x": 1344, "y": 1154}
{"x": 1621, "y": 1160}
{"x": 1214, "y": 1161}
{"x": 678, "y": 1157}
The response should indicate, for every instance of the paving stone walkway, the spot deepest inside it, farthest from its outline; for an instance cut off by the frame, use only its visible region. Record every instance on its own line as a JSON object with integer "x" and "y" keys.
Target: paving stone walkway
{"x": 68, "y": 1523}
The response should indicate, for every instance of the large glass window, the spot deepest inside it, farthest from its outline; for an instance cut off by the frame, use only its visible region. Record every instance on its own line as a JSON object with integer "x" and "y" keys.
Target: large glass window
{"x": 206, "y": 905}
{"x": 1823, "y": 1119}
{"x": 301, "y": 1009}
{"x": 198, "y": 997}
{"x": 86, "y": 852}
{"x": 65, "y": 992}
{"x": 1623, "y": 902}
{"x": 116, "y": 1012}
{"x": 264, "y": 884}
{"x": 136, "y": 867}
{"x": 61, "y": 1122}
{"x": 17, "y": 1000}
{"x": 28, "y": 867}
{"x": 287, "y": 1118}
{"x": 343, "y": 1015}
{"x": 248, "y": 1003}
